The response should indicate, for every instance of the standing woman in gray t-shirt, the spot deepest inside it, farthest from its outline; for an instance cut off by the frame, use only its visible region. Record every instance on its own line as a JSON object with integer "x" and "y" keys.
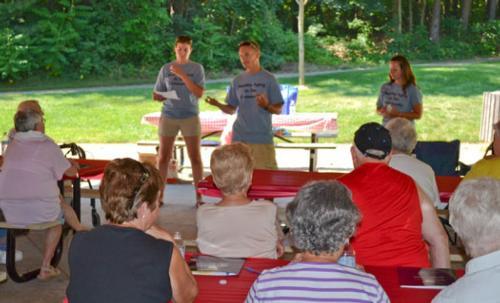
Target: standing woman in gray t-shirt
{"x": 187, "y": 79}
{"x": 400, "y": 97}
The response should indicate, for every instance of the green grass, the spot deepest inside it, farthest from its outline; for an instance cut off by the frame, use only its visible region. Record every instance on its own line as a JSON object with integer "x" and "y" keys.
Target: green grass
{"x": 452, "y": 105}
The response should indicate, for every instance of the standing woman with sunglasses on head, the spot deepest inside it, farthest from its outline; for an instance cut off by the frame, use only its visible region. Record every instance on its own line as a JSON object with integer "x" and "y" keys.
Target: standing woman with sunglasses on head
{"x": 187, "y": 79}
{"x": 400, "y": 97}
{"x": 130, "y": 259}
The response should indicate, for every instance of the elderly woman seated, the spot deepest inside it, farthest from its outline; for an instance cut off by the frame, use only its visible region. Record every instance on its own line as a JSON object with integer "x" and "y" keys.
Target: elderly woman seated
{"x": 236, "y": 226}
{"x": 475, "y": 216}
{"x": 490, "y": 165}
{"x": 28, "y": 182}
{"x": 322, "y": 218}
{"x": 130, "y": 259}
{"x": 404, "y": 140}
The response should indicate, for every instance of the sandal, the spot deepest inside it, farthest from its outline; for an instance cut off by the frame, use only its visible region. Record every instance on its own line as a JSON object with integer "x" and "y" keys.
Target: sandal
{"x": 48, "y": 272}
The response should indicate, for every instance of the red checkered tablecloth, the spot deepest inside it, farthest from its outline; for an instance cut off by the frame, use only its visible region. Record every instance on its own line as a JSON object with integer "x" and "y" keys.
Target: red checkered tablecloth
{"x": 317, "y": 123}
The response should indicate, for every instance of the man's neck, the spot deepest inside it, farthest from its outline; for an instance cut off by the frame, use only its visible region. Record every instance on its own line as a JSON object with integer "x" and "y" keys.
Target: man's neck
{"x": 253, "y": 69}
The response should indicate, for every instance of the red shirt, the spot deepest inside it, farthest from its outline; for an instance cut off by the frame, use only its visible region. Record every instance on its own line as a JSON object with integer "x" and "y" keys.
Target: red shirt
{"x": 390, "y": 231}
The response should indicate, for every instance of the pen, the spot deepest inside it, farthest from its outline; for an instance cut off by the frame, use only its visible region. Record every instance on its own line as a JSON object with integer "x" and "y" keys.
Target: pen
{"x": 250, "y": 269}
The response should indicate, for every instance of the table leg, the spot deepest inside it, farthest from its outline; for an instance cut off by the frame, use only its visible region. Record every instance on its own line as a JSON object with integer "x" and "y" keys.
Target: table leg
{"x": 77, "y": 197}
{"x": 313, "y": 156}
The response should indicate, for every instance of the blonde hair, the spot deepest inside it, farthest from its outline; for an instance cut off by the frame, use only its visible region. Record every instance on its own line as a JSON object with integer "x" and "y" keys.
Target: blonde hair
{"x": 127, "y": 184}
{"x": 232, "y": 168}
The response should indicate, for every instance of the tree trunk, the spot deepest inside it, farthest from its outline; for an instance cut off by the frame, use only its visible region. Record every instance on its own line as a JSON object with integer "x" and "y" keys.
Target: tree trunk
{"x": 410, "y": 16}
{"x": 492, "y": 9}
{"x": 399, "y": 22}
{"x": 436, "y": 18}
{"x": 302, "y": 4}
{"x": 422, "y": 12}
{"x": 455, "y": 8}
{"x": 466, "y": 7}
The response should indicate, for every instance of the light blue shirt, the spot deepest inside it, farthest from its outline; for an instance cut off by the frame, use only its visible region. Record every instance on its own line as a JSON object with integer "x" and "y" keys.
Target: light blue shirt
{"x": 187, "y": 105}
{"x": 253, "y": 123}
{"x": 481, "y": 282}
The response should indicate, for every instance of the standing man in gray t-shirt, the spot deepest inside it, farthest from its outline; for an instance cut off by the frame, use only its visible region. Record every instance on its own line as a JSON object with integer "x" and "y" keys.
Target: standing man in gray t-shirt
{"x": 187, "y": 79}
{"x": 255, "y": 95}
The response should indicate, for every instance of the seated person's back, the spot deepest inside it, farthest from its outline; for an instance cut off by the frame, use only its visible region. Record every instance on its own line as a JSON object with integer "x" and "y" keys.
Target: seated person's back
{"x": 398, "y": 220}
{"x": 130, "y": 259}
{"x": 490, "y": 165}
{"x": 236, "y": 226}
{"x": 322, "y": 218}
{"x": 121, "y": 264}
{"x": 247, "y": 230}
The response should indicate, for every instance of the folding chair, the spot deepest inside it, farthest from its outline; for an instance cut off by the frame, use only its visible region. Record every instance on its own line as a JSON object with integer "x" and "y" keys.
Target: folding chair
{"x": 442, "y": 156}
{"x": 76, "y": 151}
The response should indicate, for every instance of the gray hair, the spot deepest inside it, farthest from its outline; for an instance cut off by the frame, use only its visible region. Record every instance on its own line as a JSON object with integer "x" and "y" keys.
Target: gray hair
{"x": 403, "y": 135}
{"x": 26, "y": 120}
{"x": 322, "y": 217}
{"x": 475, "y": 215}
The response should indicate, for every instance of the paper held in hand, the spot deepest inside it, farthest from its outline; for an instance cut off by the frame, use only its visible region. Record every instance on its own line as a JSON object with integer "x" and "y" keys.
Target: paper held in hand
{"x": 171, "y": 94}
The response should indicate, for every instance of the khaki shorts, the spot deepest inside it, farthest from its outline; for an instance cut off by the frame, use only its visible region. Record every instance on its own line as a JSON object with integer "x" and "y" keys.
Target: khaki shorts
{"x": 189, "y": 127}
{"x": 264, "y": 156}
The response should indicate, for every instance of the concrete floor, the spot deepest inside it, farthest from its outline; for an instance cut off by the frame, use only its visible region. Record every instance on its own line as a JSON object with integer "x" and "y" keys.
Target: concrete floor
{"x": 178, "y": 214}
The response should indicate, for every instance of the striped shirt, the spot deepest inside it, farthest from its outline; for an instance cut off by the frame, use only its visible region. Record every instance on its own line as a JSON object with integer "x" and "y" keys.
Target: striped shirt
{"x": 316, "y": 282}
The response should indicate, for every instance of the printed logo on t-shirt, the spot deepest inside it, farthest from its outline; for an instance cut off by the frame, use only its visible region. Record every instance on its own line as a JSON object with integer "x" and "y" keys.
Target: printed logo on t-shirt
{"x": 250, "y": 90}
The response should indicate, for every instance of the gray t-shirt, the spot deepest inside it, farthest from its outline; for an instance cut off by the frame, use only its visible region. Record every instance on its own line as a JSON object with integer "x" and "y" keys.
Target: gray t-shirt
{"x": 403, "y": 100}
{"x": 187, "y": 105}
{"x": 253, "y": 123}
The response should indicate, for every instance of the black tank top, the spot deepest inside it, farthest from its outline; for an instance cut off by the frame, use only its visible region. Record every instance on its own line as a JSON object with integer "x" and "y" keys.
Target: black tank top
{"x": 119, "y": 264}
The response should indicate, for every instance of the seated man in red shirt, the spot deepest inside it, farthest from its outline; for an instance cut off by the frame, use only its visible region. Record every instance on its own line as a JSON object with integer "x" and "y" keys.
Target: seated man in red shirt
{"x": 399, "y": 223}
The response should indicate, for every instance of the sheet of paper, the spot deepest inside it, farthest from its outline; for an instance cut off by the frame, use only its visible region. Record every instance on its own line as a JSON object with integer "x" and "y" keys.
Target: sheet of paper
{"x": 171, "y": 94}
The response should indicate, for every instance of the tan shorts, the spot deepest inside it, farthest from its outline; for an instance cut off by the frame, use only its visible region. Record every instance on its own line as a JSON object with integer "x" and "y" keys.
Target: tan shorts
{"x": 189, "y": 127}
{"x": 264, "y": 156}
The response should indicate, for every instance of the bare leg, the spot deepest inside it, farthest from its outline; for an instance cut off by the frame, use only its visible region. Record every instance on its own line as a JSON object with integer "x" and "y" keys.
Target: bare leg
{"x": 51, "y": 240}
{"x": 71, "y": 218}
{"x": 164, "y": 155}
{"x": 193, "y": 148}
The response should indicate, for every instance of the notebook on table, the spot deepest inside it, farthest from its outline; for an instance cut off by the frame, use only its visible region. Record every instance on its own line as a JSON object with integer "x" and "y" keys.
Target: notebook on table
{"x": 215, "y": 266}
{"x": 432, "y": 278}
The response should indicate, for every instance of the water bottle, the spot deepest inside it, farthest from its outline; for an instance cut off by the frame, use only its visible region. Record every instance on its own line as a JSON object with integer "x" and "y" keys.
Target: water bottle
{"x": 179, "y": 242}
{"x": 5, "y": 143}
{"x": 348, "y": 258}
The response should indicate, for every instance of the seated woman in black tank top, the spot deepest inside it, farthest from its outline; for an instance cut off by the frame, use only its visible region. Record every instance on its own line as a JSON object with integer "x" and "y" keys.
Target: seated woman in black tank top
{"x": 130, "y": 259}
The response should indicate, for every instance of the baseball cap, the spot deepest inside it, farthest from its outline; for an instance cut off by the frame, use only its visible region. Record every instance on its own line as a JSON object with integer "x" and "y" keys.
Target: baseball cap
{"x": 373, "y": 140}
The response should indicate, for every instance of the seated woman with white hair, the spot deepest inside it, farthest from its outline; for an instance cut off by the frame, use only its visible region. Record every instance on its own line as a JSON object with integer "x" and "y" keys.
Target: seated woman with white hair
{"x": 404, "y": 140}
{"x": 322, "y": 218}
{"x": 28, "y": 183}
{"x": 237, "y": 226}
{"x": 475, "y": 216}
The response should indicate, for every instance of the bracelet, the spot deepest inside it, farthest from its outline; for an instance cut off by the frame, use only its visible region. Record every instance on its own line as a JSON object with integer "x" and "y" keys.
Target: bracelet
{"x": 267, "y": 107}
